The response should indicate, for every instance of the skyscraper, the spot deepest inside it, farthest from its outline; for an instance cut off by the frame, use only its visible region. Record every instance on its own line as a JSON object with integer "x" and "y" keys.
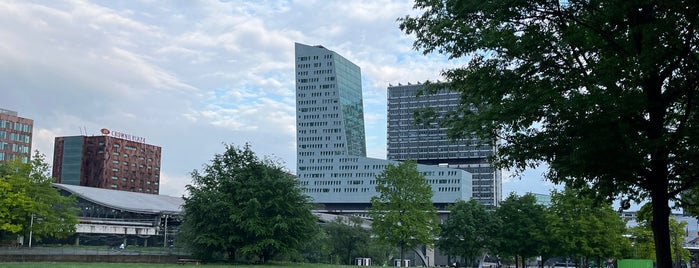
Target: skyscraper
{"x": 332, "y": 164}
{"x": 429, "y": 144}
{"x": 114, "y": 161}
{"x": 15, "y": 136}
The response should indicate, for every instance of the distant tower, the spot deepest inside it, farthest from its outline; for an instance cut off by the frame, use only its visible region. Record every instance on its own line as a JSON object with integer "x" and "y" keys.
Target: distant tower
{"x": 332, "y": 164}
{"x": 330, "y": 112}
{"x": 430, "y": 145}
{"x": 15, "y": 136}
{"x": 114, "y": 161}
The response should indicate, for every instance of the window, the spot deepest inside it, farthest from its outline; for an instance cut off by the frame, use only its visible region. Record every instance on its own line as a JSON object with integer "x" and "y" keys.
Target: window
{"x": 116, "y": 145}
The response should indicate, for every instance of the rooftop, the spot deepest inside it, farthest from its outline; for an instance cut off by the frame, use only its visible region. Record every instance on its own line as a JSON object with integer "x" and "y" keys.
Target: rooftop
{"x": 127, "y": 201}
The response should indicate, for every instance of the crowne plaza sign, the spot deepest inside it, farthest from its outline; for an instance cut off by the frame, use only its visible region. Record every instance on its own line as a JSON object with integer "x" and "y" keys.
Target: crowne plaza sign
{"x": 124, "y": 136}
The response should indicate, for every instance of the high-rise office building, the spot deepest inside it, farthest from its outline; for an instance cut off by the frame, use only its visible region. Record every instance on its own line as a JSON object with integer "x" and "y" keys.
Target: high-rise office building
{"x": 332, "y": 164}
{"x": 15, "y": 136}
{"x": 430, "y": 145}
{"x": 114, "y": 160}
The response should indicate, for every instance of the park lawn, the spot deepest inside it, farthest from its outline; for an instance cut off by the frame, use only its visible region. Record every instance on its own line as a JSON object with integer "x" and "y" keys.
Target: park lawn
{"x": 155, "y": 265}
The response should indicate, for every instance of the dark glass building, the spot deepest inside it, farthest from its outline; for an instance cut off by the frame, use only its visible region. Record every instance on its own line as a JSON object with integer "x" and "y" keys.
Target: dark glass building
{"x": 430, "y": 145}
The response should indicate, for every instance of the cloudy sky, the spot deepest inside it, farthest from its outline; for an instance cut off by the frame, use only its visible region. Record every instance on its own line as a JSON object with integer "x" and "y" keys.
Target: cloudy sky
{"x": 191, "y": 75}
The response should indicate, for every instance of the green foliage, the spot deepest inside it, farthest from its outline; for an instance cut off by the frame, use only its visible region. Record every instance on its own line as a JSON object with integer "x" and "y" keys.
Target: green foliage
{"x": 347, "y": 240}
{"x": 643, "y": 240}
{"x": 402, "y": 213}
{"x": 581, "y": 227}
{"x": 241, "y": 203}
{"x": 26, "y": 192}
{"x": 469, "y": 231}
{"x": 602, "y": 91}
{"x": 523, "y": 227}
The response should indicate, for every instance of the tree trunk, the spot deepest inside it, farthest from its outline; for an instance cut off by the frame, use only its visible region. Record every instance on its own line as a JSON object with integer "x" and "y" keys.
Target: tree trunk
{"x": 231, "y": 255}
{"x": 661, "y": 225}
{"x": 402, "y": 254}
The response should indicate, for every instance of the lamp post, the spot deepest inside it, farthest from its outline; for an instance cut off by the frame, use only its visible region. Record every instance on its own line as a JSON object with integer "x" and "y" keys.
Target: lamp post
{"x": 165, "y": 231}
{"x": 31, "y": 229}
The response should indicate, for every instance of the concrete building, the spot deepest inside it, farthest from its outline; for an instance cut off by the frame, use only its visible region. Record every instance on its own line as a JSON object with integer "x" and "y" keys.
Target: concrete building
{"x": 430, "y": 145}
{"x": 332, "y": 164}
{"x": 114, "y": 161}
{"x": 15, "y": 136}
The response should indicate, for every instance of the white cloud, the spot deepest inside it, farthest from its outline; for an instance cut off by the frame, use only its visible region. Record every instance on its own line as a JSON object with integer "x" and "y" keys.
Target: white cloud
{"x": 191, "y": 75}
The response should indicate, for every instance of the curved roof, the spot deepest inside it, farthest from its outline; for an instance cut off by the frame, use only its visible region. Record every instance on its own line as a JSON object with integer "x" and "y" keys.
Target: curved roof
{"x": 127, "y": 201}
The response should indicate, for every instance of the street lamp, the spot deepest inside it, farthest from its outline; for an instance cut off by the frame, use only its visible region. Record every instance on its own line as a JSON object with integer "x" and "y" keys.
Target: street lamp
{"x": 165, "y": 231}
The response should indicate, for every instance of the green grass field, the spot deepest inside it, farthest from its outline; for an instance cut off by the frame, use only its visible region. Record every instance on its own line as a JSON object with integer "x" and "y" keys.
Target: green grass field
{"x": 136, "y": 265}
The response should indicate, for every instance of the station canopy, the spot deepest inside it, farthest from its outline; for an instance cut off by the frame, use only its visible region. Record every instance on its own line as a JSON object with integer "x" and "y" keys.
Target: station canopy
{"x": 126, "y": 201}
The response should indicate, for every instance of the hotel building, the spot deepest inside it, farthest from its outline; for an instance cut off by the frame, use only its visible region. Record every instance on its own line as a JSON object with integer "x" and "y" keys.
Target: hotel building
{"x": 430, "y": 145}
{"x": 332, "y": 164}
{"x": 114, "y": 161}
{"x": 15, "y": 136}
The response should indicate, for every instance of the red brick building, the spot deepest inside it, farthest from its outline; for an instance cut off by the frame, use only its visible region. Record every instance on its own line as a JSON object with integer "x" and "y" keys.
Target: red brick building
{"x": 113, "y": 161}
{"x": 15, "y": 136}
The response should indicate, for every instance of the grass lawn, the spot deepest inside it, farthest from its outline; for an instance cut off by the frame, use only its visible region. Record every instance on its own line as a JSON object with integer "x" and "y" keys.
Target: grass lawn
{"x": 136, "y": 265}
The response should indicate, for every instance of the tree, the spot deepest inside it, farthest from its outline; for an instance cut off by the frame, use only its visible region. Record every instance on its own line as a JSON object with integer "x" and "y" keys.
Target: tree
{"x": 581, "y": 227}
{"x": 241, "y": 203}
{"x": 469, "y": 231}
{"x": 402, "y": 213}
{"x": 523, "y": 229}
{"x": 602, "y": 91}
{"x": 347, "y": 238}
{"x": 30, "y": 205}
{"x": 643, "y": 238}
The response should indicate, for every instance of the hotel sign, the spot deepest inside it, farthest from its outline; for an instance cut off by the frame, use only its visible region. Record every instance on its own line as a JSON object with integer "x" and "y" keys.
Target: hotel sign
{"x": 121, "y": 135}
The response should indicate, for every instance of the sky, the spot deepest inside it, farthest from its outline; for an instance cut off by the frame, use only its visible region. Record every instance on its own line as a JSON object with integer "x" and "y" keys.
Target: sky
{"x": 191, "y": 76}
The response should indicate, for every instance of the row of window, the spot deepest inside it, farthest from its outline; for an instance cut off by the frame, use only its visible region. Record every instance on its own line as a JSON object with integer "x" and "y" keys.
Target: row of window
{"x": 10, "y": 157}
{"x": 16, "y": 148}
{"x": 6, "y": 124}
{"x": 126, "y": 170}
{"x": 16, "y": 137}
{"x": 115, "y": 178}
{"x": 366, "y": 190}
{"x": 140, "y": 189}
{"x": 125, "y": 163}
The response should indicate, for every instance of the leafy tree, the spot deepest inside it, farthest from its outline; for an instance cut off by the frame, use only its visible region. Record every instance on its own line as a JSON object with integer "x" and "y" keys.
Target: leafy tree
{"x": 602, "y": 91}
{"x": 29, "y": 204}
{"x": 347, "y": 239}
{"x": 583, "y": 228}
{"x": 402, "y": 213}
{"x": 523, "y": 227}
{"x": 642, "y": 237}
{"x": 241, "y": 203}
{"x": 469, "y": 230}
{"x": 642, "y": 246}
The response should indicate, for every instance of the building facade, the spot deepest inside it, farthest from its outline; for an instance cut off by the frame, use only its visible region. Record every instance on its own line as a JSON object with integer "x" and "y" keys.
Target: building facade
{"x": 429, "y": 144}
{"x": 331, "y": 150}
{"x": 15, "y": 136}
{"x": 109, "y": 162}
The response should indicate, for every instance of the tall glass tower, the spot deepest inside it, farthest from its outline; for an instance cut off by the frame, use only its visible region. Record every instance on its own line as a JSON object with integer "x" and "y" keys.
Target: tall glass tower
{"x": 330, "y": 113}
{"x": 332, "y": 165}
